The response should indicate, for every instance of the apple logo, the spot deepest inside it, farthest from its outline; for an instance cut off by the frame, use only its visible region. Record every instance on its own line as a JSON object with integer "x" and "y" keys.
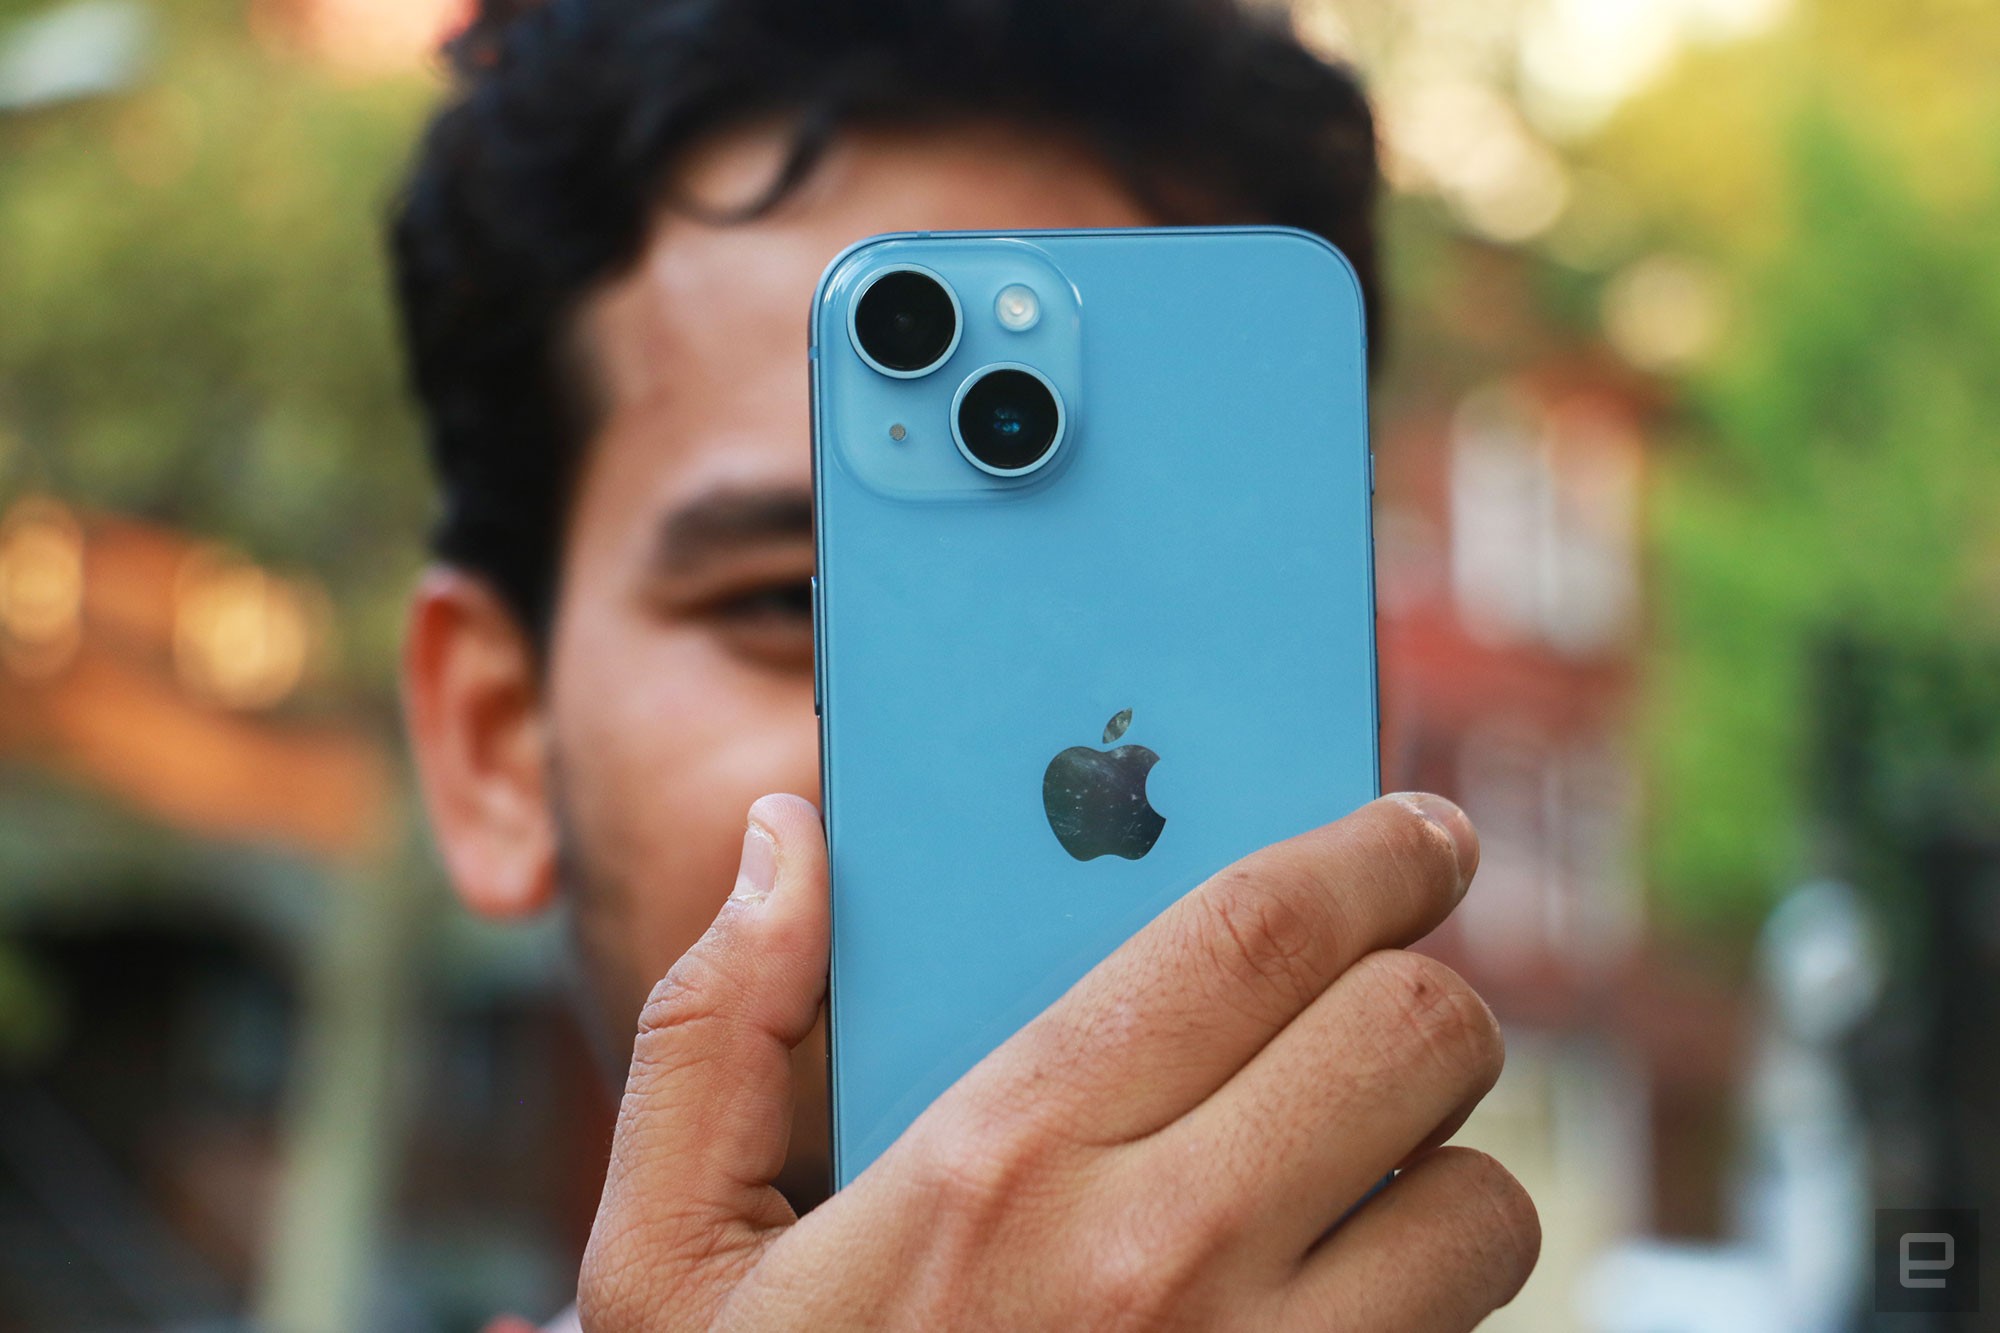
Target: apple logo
{"x": 1096, "y": 799}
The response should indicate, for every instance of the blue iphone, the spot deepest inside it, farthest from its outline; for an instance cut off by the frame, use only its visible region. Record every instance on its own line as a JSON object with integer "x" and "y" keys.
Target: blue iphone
{"x": 1094, "y": 611}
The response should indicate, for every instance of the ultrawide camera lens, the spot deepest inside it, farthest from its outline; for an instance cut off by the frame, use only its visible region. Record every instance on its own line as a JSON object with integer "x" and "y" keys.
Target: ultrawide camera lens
{"x": 906, "y": 323}
{"x": 1008, "y": 420}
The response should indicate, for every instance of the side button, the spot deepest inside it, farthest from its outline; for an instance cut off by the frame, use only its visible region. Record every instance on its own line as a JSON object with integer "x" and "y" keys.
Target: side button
{"x": 817, "y": 652}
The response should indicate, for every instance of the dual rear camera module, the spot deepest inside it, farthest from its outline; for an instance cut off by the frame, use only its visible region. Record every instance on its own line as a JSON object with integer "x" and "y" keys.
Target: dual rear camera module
{"x": 1006, "y": 418}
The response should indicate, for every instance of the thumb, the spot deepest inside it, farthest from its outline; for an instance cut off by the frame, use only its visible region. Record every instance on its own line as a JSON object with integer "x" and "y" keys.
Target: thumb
{"x": 706, "y": 1118}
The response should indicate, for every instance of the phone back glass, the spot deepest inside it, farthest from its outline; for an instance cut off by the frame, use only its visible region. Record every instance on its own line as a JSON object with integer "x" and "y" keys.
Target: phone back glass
{"x": 1197, "y": 553}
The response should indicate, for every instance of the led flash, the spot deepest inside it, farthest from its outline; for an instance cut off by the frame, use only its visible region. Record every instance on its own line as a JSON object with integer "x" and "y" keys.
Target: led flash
{"x": 1018, "y": 308}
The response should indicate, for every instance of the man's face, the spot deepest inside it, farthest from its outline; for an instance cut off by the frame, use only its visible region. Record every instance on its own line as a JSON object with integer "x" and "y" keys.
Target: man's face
{"x": 678, "y": 687}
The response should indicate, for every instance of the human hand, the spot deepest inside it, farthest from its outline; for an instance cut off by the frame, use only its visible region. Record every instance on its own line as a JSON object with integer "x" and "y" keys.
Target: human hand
{"x": 1169, "y": 1145}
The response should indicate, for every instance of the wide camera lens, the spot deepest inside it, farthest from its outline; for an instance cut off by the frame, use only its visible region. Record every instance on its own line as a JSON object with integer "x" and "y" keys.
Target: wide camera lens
{"x": 1008, "y": 420}
{"x": 906, "y": 323}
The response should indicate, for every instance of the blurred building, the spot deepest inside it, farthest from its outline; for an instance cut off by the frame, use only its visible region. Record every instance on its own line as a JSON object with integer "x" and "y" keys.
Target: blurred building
{"x": 252, "y": 1067}
{"x": 227, "y": 1085}
{"x": 252, "y": 1061}
{"x": 1510, "y": 498}
{"x": 236, "y": 1034}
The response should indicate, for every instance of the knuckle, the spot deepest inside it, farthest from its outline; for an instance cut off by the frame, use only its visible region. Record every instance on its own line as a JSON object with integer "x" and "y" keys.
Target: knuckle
{"x": 1156, "y": 1267}
{"x": 1432, "y": 1013}
{"x": 687, "y": 996}
{"x": 1128, "y": 1288}
{"x": 980, "y": 1166}
{"x": 975, "y": 1179}
{"x": 1142, "y": 1277}
{"x": 1258, "y": 928}
{"x": 689, "y": 1001}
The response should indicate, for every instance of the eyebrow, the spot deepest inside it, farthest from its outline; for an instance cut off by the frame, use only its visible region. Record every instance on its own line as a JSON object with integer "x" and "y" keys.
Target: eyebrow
{"x": 728, "y": 521}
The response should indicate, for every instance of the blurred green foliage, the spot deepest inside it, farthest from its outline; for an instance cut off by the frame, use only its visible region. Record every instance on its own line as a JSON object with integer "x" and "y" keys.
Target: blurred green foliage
{"x": 1835, "y": 478}
{"x": 196, "y": 324}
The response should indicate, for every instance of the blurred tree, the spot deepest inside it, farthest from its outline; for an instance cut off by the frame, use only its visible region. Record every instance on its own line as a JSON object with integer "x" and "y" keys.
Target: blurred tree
{"x": 195, "y": 328}
{"x": 194, "y": 322}
{"x": 1837, "y": 472}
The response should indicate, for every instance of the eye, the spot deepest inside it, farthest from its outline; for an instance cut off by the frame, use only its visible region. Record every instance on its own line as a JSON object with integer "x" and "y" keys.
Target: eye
{"x": 769, "y": 624}
{"x": 791, "y": 599}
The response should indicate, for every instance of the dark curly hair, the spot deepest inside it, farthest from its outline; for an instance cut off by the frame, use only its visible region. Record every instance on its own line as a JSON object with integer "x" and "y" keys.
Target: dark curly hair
{"x": 539, "y": 179}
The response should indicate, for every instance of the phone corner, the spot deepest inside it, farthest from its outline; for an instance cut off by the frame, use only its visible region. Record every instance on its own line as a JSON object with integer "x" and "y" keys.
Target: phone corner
{"x": 1323, "y": 249}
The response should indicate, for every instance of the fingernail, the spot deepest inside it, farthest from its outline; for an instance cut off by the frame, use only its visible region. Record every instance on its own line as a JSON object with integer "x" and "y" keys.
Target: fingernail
{"x": 1456, "y": 827}
{"x": 759, "y": 870}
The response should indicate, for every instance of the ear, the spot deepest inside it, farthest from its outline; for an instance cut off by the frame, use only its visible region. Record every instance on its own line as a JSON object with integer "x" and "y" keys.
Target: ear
{"x": 472, "y": 697}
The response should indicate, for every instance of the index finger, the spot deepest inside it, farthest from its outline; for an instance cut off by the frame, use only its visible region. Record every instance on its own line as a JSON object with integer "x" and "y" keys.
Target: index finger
{"x": 1163, "y": 1022}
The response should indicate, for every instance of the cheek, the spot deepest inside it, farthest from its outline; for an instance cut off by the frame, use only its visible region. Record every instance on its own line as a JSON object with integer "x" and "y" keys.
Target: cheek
{"x": 663, "y": 740}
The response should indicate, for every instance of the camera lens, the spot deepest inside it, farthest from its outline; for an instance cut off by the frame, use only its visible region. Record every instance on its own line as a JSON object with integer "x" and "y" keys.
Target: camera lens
{"x": 1008, "y": 420}
{"x": 906, "y": 323}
